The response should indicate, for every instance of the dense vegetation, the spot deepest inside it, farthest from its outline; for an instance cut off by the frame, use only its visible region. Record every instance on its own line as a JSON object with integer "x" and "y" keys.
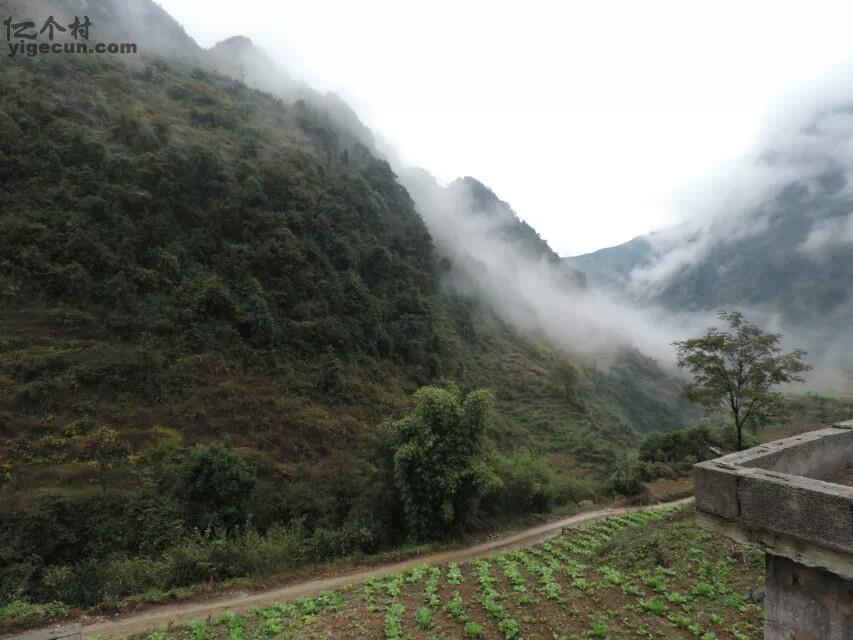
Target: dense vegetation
{"x": 227, "y": 351}
{"x": 668, "y": 454}
{"x": 187, "y": 261}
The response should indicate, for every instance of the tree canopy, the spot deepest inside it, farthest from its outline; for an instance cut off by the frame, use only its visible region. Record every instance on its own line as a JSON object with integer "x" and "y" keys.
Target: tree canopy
{"x": 738, "y": 370}
{"x": 436, "y": 455}
{"x": 218, "y": 483}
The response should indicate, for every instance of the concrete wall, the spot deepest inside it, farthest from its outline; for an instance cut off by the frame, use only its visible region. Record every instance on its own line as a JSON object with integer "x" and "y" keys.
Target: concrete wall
{"x": 773, "y": 495}
{"x": 801, "y": 603}
{"x": 815, "y": 454}
{"x": 772, "y": 489}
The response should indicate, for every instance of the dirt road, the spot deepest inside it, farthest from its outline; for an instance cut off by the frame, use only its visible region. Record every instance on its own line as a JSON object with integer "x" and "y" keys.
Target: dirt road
{"x": 160, "y": 617}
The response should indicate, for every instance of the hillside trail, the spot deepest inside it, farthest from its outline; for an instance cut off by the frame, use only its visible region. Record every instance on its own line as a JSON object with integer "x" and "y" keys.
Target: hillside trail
{"x": 160, "y": 617}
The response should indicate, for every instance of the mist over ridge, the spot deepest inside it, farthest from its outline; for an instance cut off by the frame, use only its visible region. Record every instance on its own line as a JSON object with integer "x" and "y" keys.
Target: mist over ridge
{"x": 770, "y": 234}
{"x": 496, "y": 256}
{"x": 791, "y": 197}
{"x": 246, "y": 341}
{"x": 796, "y": 180}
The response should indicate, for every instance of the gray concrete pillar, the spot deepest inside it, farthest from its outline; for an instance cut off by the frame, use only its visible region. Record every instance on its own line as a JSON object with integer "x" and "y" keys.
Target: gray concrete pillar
{"x": 801, "y": 603}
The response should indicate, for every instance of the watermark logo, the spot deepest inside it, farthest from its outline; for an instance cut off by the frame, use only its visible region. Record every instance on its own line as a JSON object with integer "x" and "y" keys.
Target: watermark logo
{"x": 22, "y": 36}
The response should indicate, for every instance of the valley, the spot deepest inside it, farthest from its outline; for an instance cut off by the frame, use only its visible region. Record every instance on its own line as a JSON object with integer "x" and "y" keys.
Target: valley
{"x": 262, "y": 379}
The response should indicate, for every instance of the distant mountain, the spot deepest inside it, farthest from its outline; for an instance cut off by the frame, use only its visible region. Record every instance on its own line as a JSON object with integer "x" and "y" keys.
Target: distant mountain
{"x": 792, "y": 265}
{"x": 778, "y": 242}
{"x": 611, "y": 268}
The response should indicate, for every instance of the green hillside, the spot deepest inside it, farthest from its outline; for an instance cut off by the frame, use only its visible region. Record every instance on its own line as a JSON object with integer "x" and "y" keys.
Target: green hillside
{"x": 185, "y": 260}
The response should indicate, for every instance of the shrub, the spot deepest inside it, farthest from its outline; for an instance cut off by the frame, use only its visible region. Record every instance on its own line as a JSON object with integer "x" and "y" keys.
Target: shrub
{"x": 575, "y": 490}
{"x": 333, "y": 543}
{"x": 218, "y": 483}
{"x": 20, "y": 611}
{"x": 526, "y": 484}
{"x": 671, "y": 453}
{"x": 123, "y": 576}
{"x": 626, "y": 478}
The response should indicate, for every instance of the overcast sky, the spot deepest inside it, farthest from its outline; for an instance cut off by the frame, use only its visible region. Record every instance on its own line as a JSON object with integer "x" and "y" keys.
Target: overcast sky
{"x": 585, "y": 117}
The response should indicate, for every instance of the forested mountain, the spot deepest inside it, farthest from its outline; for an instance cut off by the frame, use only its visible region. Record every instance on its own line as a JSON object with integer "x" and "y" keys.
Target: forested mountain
{"x": 474, "y": 226}
{"x": 504, "y": 225}
{"x": 240, "y": 58}
{"x": 797, "y": 264}
{"x": 185, "y": 260}
{"x": 611, "y": 268}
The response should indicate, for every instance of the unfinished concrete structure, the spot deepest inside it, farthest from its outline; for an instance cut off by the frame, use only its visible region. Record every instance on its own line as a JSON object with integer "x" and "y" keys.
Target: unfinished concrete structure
{"x": 793, "y": 498}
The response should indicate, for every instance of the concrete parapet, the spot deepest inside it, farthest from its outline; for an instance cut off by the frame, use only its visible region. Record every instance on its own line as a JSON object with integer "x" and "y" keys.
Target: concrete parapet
{"x": 769, "y": 488}
{"x": 776, "y": 496}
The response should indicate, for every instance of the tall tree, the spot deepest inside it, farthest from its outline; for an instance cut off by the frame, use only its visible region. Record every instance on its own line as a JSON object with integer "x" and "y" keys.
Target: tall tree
{"x": 739, "y": 369}
{"x": 436, "y": 458}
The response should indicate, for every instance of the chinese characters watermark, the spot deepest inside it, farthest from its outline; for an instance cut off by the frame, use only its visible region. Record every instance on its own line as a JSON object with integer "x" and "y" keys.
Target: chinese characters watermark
{"x": 26, "y": 33}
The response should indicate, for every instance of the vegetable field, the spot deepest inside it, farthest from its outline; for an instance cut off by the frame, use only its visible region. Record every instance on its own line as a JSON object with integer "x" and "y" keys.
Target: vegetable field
{"x": 640, "y": 575}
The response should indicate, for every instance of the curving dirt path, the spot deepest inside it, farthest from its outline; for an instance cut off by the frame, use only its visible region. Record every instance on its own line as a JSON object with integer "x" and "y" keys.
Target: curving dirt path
{"x": 160, "y": 617}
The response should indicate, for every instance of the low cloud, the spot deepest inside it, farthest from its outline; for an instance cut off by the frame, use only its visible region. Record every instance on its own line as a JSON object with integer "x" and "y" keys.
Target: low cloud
{"x": 805, "y": 150}
{"x": 827, "y": 234}
{"x": 538, "y": 293}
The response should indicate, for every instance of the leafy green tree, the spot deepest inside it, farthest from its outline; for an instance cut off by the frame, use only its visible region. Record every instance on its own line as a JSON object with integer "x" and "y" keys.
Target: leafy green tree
{"x": 436, "y": 458}
{"x": 738, "y": 370}
{"x": 218, "y": 484}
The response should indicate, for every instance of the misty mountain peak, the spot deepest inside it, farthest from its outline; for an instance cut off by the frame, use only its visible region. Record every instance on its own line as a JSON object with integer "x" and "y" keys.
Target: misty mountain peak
{"x": 238, "y": 42}
{"x": 450, "y": 212}
{"x": 482, "y": 197}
